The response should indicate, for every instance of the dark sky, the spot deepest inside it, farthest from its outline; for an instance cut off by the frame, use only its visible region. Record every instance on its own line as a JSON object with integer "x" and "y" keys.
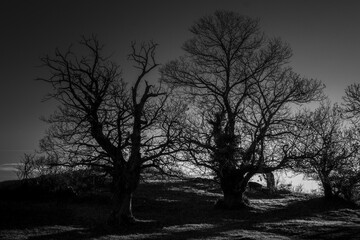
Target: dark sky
{"x": 324, "y": 36}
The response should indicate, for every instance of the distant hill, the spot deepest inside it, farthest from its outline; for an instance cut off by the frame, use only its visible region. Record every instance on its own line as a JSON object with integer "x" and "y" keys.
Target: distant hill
{"x": 6, "y": 175}
{"x": 9, "y": 184}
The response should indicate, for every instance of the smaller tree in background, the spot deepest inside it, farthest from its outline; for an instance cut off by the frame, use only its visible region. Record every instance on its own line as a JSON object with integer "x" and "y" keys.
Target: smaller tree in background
{"x": 346, "y": 180}
{"x": 352, "y": 110}
{"x": 352, "y": 100}
{"x": 34, "y": 166}
{"x": 329, "y": 147}
{"x": 270, "y": 181}
{"x": 27, "y": 167}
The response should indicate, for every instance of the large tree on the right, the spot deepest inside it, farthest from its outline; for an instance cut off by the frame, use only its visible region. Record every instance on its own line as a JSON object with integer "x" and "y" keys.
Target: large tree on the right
{"x": 241, "y": 90}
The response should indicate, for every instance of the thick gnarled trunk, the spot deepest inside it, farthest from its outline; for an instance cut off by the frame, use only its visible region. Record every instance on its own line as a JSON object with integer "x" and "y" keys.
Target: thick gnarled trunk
{"x": 328, "y": 192}
{"x": 326, "y": 184}
{"x": 232, "y": 180}
{"x": 233, "y": 187}
{"x": 122, "y": 210}
{"x": 270, "y": 182}
{"x": 233, "y": 200}
{"x": 123, "y": 189}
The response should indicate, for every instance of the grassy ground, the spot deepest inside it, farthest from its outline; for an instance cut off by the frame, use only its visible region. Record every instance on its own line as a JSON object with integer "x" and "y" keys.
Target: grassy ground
{"x": 181, "y": 210}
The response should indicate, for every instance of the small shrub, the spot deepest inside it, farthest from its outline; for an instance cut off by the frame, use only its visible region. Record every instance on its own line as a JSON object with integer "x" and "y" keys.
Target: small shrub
{"x": 284, "y": 188}
{"x": 299, "y": 188}
{"x": 315, "y": 192}
{"x": 347, "y": 186}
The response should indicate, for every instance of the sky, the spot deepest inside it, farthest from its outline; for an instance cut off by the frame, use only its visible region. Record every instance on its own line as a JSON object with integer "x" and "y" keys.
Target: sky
{"x": 324, "y": 37}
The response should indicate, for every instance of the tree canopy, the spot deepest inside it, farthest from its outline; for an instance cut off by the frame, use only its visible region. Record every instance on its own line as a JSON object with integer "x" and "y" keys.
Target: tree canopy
{"x": 240, "y": 88}
{"x": 102, "y": 122}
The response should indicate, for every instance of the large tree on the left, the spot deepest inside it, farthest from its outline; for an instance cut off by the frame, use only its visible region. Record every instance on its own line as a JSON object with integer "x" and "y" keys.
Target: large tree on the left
{"x": 120, "y": 127}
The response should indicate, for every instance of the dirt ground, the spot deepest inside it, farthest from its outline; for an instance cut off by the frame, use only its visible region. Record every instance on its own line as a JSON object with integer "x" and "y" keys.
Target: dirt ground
{"x": 181, "y": 210}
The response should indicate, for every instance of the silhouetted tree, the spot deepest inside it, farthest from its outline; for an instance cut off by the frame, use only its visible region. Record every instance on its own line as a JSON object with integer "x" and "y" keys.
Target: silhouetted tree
{"x": 352, "y": 100}
{"x": 329, "y": 147}
{"x": 26, "y": 168}
{"x": 351, "y": 182}
{"x": 33, "y": 166}
{"x": 270, "y": 181}
{"x": 103, "y": 123}
{"x": 346, "y": 180}
{"x": 236, "y": 79}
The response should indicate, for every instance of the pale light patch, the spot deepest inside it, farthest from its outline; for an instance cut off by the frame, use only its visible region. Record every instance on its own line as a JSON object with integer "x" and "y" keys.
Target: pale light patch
{"x": 189, "y": 227}
{"x": 315, "y": 222}
{"x": 160, "y": 199}
{"x": 9, "y": 167}
{"x": 44, "y": 232}
{"x": 246, "y": 234}
{"x": 298, "y": 181}
{"x": 138, "y": 236}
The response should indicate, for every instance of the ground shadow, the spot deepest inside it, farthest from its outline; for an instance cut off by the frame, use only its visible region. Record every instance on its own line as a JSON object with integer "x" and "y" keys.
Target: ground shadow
{"x": 184, "y": 209}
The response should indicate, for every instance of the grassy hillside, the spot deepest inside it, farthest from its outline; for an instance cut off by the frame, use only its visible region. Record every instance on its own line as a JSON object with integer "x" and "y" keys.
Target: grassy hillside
{"x": 180, "y": 210}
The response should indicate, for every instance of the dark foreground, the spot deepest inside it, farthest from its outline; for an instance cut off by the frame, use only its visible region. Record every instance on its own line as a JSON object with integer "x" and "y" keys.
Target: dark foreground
{"x": 180, "y": 210}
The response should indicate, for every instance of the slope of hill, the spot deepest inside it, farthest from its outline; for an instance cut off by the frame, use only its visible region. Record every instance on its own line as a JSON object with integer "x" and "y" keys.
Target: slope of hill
{"x": 181, "y": 209}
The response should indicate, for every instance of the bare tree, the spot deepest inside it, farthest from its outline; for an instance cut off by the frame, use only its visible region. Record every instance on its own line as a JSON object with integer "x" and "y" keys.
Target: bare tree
{"x": 352, "y": 100}
{"x": 26, "y": 169}
{"x": 270, "y": 181}
{"x": 236, "y": 79}
{"x": 329, "y": 146}
{"x": 33, "y": 166}
{"x": 103, "y": 123}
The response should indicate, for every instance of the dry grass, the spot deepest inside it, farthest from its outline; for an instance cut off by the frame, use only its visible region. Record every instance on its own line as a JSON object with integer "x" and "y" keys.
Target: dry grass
{"x": 182, "y": 210}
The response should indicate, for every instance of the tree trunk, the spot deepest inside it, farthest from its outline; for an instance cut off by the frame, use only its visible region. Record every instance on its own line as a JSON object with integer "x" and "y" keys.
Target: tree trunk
{"x": 233, "y": 188}
{"x": 233, "y": 200}
{"x": 124, "y": 187}
{"x": 233, "y": 182}
{"x": 122, "y": 210}
{"x": 270, "y": 182}
{"x": 328, "y": 193}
